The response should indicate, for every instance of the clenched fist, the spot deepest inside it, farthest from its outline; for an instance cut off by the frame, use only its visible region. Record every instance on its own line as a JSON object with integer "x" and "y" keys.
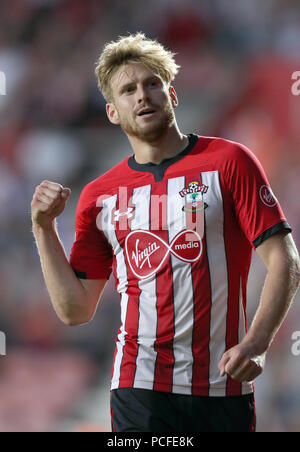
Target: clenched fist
{"x": 48, "y": 202}
{"x": 241, "y": 363}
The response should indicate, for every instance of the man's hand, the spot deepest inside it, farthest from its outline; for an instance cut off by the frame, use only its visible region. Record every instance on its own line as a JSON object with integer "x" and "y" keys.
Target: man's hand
{"x": 48, "y": 202}
{"x": 241, "y": 363}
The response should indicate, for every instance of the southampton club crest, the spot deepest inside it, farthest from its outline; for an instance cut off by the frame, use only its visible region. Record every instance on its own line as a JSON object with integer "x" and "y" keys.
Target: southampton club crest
{"x": 193, "y": 195}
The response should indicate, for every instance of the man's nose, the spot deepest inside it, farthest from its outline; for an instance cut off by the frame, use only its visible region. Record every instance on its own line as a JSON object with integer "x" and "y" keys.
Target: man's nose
{"x": 142, "y": 94}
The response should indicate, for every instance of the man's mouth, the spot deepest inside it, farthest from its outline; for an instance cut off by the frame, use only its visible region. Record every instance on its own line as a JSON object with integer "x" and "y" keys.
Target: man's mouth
{"x": 146, "y": 112}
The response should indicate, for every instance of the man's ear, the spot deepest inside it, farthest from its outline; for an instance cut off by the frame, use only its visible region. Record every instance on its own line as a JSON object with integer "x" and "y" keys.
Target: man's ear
{"x": 173, "y": 96}
{"x": 112, "y": 114}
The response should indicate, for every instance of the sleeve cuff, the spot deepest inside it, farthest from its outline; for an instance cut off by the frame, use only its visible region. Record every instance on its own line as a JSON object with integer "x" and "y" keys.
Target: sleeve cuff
{"x": 80, "y": 275}
{"x": 271, "y": 231}
{"x": 83, "y": 275}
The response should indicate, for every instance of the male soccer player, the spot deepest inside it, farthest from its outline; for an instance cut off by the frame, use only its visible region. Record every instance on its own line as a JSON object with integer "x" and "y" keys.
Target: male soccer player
{"x": 176, "y": 222}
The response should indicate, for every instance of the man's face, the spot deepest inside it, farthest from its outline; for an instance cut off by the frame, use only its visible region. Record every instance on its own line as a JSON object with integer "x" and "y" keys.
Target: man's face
{"x": 143, "y": 104}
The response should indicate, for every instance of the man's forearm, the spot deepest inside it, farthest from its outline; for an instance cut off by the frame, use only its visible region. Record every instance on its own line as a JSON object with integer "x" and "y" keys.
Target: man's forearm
{"x": 245, "y": 361}
{"x": 277, "y": 295}
{"x": 66, "y": 291}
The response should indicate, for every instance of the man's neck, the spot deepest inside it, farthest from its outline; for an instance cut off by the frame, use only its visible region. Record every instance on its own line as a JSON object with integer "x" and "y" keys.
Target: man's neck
{"x": 167, "y": 146}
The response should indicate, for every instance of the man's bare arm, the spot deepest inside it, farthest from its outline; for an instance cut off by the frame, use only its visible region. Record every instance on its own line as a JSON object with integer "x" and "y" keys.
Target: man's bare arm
{"x": 74, "y": 300}
{"x": 245, "y": 361}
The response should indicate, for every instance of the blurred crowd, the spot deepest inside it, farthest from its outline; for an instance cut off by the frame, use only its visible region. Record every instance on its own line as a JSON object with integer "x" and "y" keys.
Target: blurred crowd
{"x": 237, "y": 58}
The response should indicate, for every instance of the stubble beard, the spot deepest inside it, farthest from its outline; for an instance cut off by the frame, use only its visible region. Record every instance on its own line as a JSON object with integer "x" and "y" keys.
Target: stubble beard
{"x": 151, "y": 133}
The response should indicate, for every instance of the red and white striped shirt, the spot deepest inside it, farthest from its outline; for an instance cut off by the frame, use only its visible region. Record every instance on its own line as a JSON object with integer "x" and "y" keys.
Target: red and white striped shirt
{"x": 179, "y": 238}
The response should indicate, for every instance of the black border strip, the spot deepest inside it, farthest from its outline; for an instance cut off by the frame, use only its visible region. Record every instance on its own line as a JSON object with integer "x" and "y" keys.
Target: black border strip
{"x": 271, "y": 231}
{"x": 80, "y": 275}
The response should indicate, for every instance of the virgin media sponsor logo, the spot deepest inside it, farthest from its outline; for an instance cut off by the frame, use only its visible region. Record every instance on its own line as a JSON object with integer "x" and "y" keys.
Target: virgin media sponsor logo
{"x": 267, "y": 196}
{"x": 146, "y": 252}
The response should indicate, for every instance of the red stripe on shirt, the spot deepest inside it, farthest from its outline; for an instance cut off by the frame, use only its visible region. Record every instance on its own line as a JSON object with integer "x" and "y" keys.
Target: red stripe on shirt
{"x": 233, "y": 387}
{"x": 130, "y": 349}
{"x": 202, "y": 306}
{"x": 163, "y": 376}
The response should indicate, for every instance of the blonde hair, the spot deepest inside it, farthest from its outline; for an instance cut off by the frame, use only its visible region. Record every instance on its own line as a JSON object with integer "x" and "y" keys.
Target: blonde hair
{"x": 134, "y": 48}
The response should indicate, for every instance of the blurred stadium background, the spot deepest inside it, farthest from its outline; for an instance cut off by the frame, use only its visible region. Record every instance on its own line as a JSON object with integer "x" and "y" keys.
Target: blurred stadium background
{"x": 237, "y": 58}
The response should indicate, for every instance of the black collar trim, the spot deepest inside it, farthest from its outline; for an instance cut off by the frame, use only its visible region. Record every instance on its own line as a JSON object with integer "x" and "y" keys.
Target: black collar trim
{"x": 159, "y": 170}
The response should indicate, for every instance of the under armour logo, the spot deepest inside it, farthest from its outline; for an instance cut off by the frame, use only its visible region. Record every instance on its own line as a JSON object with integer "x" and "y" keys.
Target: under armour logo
{"x": 117, "y": 214}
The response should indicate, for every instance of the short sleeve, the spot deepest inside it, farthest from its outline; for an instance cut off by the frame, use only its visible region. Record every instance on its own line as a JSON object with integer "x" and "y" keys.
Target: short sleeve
{"x": 91, "y": 254}
{"x": 258, "y": 211}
